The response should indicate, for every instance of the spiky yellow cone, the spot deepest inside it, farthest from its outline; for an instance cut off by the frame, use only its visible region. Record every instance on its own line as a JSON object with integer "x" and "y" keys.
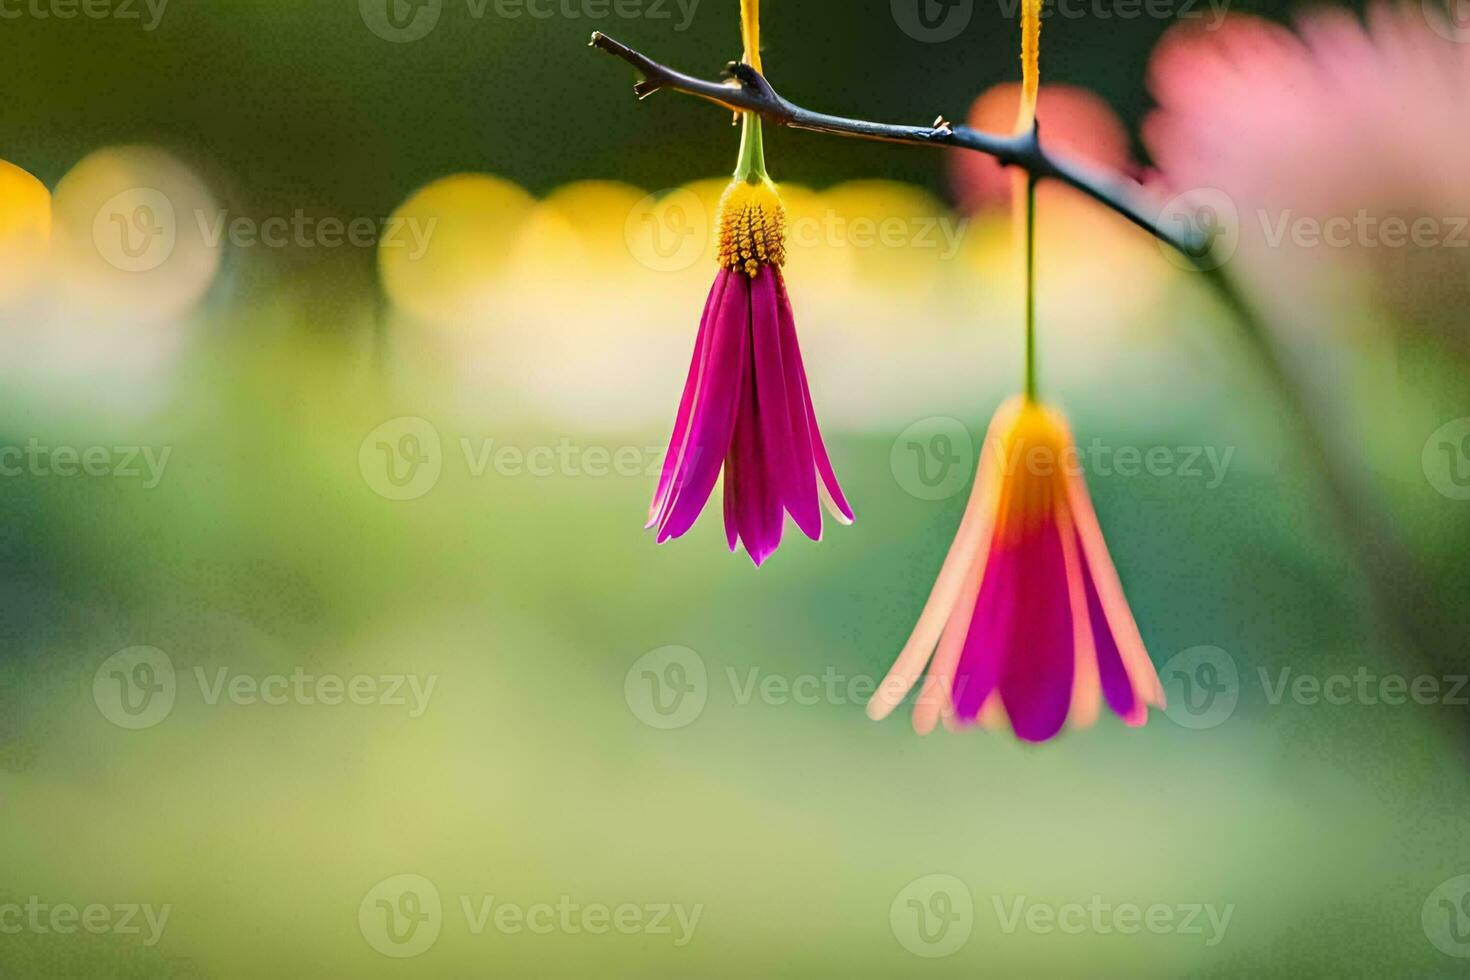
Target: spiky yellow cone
{"x": 25, "y": 231}
{"x": 752, "y": 227}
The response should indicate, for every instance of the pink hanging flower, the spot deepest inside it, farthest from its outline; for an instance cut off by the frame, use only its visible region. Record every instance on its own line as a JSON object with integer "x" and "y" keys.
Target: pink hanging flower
{"x": 1027, "y": 623}
{"x": 747, "y": 408}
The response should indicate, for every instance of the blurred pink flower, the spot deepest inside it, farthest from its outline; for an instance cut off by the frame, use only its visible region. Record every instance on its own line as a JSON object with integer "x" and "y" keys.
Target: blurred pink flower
{"x": 1074, "y": 121}
{"x": 1335, "y": 152}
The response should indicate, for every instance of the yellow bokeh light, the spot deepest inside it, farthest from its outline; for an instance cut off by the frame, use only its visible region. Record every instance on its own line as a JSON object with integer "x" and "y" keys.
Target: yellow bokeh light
{"x": 25, "y": 231}
{"x": 130, "y": 236}
{"x": 890, "y": 234}
{"x": 472, "y": 223}
{"x": 597, "y": 213}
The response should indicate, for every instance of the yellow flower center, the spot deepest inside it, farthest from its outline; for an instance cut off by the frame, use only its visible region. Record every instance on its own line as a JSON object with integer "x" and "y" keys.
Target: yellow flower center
{"x": 1036, "y": 456}
{"x": 752, "y": 227}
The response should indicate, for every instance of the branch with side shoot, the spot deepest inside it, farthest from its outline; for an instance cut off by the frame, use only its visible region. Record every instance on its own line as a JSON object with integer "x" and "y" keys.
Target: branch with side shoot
{"x": 747, "y": 90}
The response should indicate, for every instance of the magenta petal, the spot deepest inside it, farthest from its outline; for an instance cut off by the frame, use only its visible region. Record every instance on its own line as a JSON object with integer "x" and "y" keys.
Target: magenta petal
{"x": 761, "y": 445}
{"x": 989, "y": 635}
{"x": 1036, "y": 679}
{"x": 1116, "y": 686}
{"x": 757, "y": 504}
{"x": 732, "y": 526}
{"x": 800, "y": 478}
{"x": 716, "y": 404}
{"x": 824, "y": 464}
{"x": 782, "y": 462}
{"x": 698, "y": 364}
{"x": 819, "y": 449}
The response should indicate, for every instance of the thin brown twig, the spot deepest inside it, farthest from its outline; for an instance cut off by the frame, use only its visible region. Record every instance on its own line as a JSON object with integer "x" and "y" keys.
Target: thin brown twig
{"x": 749, "y": 91}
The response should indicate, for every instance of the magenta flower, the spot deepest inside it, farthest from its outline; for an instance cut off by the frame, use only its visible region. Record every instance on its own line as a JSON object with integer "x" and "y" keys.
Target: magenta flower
{"x": 1027, "y": 625}
{"x": 747, "y": 408}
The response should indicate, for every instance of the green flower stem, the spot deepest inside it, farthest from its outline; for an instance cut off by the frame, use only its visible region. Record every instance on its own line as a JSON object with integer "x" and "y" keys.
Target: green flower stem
{"x": 751, "y": 166}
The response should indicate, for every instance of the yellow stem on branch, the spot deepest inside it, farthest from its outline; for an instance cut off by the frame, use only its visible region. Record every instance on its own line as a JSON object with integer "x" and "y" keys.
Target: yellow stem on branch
{"x": 750, "y": 32}
{"x": 1030, "y": 63}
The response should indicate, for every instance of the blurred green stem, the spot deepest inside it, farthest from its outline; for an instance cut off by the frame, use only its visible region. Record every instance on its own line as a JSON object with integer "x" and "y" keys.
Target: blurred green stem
{"x": 1402, "y": 597}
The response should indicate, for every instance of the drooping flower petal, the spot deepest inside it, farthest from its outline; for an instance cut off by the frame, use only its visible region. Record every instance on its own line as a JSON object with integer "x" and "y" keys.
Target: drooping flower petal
{"x": 766, "y": 416}
{"x": 799, "y": 477}
{"x": 1130, "y": 683}
{"x": 746, "y": 408}
{"x": 752, "y": 488}
{"x": 954, "y": 593}
{"x": 716, "y": 406}
{"x": 698, "y": 365}
{"x": 1038, "y": 658}
{"x": 1029, "y": 618}
{"x": 1086, "y": 693}
{"x": 832, "y": 497}
{"x": 991, "y": 631}
{"x": 935, "y": 699}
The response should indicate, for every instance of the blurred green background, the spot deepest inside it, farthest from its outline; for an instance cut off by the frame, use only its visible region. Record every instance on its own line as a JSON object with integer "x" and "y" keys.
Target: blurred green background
{"x": 274, "y": 543}
{"x": 299, "y": 101}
